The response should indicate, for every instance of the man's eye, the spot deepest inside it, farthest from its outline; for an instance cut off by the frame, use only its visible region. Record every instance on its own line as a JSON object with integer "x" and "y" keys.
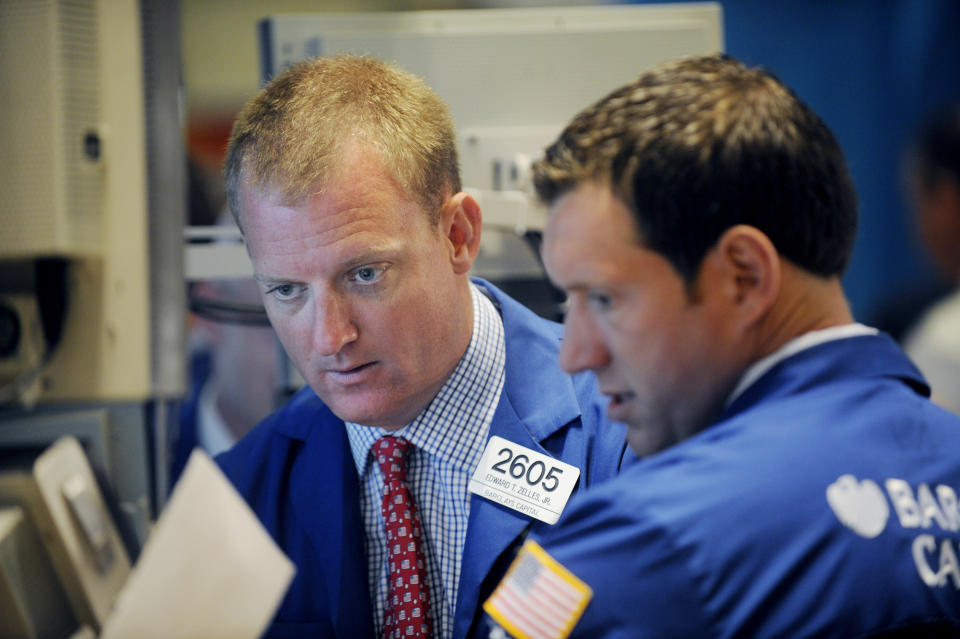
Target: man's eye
{"x": 600, "y": 301}
{"x": 367, "y": 274}
{"x": 283, "y": 291}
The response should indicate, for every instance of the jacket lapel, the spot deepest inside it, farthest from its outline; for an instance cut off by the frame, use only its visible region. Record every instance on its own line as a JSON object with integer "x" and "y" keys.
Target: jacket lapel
{"x": 492, "y": 528}
{"x": 537, "y": 402}
{"x": 325, "y": 493}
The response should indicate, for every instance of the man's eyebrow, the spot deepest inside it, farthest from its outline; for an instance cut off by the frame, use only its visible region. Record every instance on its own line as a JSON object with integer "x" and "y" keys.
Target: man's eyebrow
{"x": 584, "y": 283}
{"x": 373, "y": 254}
{"x": 267, "y": 279}
{"x": 385, "y": 248}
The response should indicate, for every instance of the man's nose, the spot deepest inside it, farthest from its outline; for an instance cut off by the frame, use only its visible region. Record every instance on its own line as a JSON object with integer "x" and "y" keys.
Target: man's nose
{"x": 582, "y": 347}
{"x": 333, "y": 327}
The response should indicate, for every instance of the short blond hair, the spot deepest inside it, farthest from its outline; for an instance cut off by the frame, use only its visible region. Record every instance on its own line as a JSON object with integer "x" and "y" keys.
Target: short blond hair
{"x": 288, "y": 138}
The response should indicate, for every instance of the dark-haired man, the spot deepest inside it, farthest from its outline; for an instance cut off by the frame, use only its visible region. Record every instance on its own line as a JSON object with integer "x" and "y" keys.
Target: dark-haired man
{"x": 796, "y": 480}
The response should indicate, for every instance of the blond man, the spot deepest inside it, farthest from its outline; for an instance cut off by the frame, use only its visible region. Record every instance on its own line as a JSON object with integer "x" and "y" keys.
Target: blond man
{"x": 343, "y": 176}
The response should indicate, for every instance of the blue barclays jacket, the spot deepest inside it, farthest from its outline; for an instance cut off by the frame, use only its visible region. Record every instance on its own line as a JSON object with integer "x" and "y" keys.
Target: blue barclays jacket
{"x": 296, "y": 471}
{"x": 822, "y": 503}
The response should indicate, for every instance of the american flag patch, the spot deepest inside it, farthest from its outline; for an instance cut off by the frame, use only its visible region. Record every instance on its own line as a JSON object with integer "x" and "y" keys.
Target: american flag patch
{"x": 538, "y": 598}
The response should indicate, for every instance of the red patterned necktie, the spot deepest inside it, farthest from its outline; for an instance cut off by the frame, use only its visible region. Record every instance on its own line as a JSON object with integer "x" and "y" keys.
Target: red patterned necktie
{"x": 408, "y": 597}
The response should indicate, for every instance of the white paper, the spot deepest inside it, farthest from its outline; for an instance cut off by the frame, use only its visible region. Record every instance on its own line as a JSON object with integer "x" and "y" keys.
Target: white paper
{"x": 208, "y": 569}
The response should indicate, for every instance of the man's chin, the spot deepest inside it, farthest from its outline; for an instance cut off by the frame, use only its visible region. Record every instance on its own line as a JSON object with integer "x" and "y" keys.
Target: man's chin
{"x": 366, "y": 415}
{"x": 384, "y": 406}
{"x": 371, "y": 420}
{"x": 645, "y": 441}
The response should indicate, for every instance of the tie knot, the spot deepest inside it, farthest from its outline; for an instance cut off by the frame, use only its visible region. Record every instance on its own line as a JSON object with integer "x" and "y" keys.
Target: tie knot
{"x": 391, "y": 457}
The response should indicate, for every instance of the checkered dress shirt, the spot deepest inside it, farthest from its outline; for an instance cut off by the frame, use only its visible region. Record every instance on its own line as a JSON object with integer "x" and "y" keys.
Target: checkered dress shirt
{"x": 449, "y": 436}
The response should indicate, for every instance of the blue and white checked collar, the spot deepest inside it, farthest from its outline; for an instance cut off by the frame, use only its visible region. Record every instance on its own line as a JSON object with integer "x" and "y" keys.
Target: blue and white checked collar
{"x": 455, "y": 425}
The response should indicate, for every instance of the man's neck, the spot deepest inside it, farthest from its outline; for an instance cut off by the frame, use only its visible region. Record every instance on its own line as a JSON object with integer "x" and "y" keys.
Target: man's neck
{"x": 806, "y": 303}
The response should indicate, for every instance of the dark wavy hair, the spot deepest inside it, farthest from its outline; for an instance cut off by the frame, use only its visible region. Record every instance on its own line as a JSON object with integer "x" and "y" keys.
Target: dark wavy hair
{"x": 698, "y": 145}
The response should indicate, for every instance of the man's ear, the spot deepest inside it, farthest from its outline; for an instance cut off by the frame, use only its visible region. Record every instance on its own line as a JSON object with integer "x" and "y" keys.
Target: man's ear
{"x": 748, "y": 265}
{"x": 460, "y": 222}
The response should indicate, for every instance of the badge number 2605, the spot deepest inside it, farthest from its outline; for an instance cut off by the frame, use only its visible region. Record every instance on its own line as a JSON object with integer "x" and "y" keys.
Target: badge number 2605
{"x": 524, "y": 479}
{"x": 534, "y": 473}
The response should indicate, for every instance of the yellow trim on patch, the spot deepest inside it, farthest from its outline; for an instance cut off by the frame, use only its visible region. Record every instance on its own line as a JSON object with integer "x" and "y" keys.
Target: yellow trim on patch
{"x": 534, "y": 549}
{"x": 504, "y": 623}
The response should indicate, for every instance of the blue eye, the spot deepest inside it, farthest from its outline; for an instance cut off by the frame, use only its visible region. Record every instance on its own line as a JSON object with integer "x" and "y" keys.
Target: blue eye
{"x": 367, "y": 274}
{"x": 283, "y": 292}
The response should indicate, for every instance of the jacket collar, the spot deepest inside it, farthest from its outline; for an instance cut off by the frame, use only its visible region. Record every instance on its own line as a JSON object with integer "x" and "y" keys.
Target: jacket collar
{"x": 532, "y": 354}
{"x": 865, "y": 356}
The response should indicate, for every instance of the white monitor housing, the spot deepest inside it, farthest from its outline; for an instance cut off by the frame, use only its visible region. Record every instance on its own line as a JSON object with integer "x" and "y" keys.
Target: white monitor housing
{"x": 512, "y": 77}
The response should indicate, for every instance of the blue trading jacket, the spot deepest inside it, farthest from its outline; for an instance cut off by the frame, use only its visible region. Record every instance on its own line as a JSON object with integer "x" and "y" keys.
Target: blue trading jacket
{"x": 823, "y": 503}
{"x": 296, "y": 472}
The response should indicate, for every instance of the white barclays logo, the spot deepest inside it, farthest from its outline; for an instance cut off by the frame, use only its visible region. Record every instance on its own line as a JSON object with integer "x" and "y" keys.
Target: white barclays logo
{"x": 862, "y": 507}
